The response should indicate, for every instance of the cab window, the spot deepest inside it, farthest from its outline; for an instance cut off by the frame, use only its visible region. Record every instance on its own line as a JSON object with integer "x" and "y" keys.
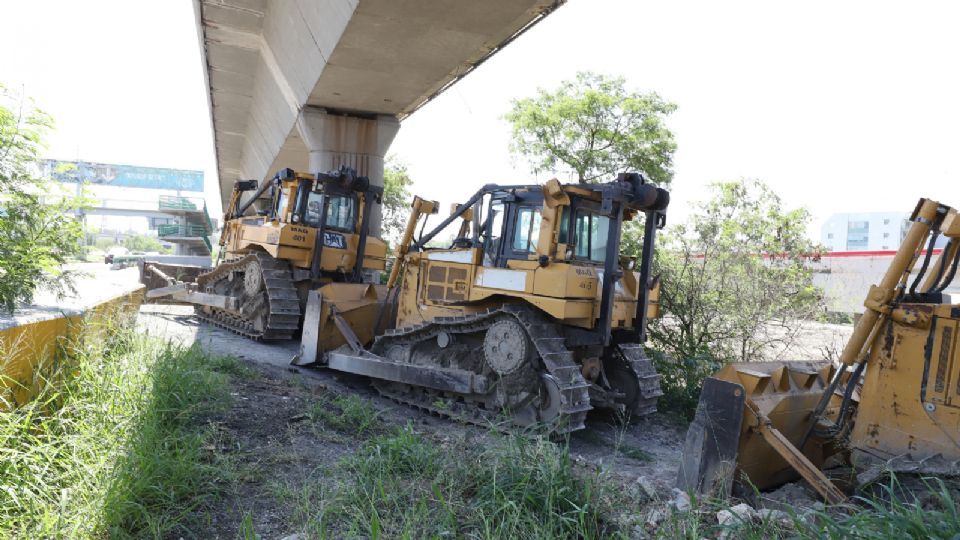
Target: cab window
{"x": 494, "y": 226}
{"x": 591, "y": 232}
{"x": 340, "y": 213}
{"x": 526, "y": 232}
{"x": 281, "y": 205}
{"x": 564, "y": 226}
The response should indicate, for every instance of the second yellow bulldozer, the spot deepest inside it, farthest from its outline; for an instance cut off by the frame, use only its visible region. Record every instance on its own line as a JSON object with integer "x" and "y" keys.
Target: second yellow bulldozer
{"x": 310, "y": 230}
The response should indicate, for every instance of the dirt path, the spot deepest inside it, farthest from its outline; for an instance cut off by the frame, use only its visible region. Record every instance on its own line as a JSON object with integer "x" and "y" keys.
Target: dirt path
{"x": 271, "y": 434}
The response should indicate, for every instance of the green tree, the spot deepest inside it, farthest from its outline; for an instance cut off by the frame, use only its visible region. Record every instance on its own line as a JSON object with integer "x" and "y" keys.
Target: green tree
{"x": 735, "y": 282}
{"x": 597, "y": 128}
{"x": 396, "y": 198}
{"x": 39, "y": 230}
{"x": 105, "y": 243}
{"x": 142, "y": 242}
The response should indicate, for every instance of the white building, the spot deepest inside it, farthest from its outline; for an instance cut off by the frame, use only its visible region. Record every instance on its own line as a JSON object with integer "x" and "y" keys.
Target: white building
{"x": 865, "y": 231}
{"x": 126, "y": 199}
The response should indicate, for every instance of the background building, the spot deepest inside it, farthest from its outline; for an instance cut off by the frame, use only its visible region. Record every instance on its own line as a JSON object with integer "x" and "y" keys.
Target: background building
{"x": 859, "y": 249}
{"x": 864, "y": 231}
{"x": 131, "y": 201}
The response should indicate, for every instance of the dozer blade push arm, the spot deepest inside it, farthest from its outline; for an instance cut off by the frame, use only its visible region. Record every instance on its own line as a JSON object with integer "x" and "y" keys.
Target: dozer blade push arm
{"x": 183, "y": 292}
{"x": 792, "y": 455}
{"x": 420, "y": 207}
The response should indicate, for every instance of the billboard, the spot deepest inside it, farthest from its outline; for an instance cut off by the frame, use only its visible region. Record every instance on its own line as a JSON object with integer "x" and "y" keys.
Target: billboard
{"x": 122, "y": 175}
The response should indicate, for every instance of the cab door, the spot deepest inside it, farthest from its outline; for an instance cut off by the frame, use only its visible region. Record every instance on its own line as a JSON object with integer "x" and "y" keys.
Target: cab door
{"x": 493, "y": 233}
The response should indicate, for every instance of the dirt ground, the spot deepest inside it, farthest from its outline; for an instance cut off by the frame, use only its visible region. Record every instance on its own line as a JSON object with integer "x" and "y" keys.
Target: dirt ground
{"x": 268, "y": 434}
{"x": 810, "y": 341}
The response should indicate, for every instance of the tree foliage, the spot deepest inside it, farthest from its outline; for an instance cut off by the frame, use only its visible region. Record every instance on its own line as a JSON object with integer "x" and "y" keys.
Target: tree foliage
{"x": 597, "y": 128}
{"x": 38, "y": 227}
{"x": 143, "y": 243}
{"x": 396, "y": 198}
{"x": 735, "y": 283}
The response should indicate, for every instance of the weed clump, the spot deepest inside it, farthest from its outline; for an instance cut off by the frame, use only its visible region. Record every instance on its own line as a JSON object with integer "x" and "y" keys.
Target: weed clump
{"x": 349, "y": 414}
{"x": 403, "y": 485}
{"x": 523, "y": 488}
{"x": 112, "y": 444}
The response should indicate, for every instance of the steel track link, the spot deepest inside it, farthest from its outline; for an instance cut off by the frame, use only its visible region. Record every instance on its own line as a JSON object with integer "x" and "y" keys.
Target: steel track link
{"x": 545, "y": 336}
{"x": 426, "y": 402}
{"x": 648, "y": 380}
{"x": 279, "y": 299}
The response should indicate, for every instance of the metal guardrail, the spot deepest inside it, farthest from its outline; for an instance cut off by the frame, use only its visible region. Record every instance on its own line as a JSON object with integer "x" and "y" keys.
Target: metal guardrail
{"x": 171, "y": 202}
{"x": 182, "y": 229}
{"x": 186, "y": 230}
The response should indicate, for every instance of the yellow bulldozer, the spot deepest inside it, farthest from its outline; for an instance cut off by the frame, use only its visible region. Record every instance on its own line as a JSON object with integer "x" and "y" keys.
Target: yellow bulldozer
{"x": 529, "y": 312}
{"x": 891, "y": 403}
{"x": 307, "y": 233}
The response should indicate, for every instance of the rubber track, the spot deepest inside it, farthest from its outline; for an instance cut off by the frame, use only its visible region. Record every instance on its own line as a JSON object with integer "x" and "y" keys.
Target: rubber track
{"x": 545, "y": 336}
{"x": 283, "y": 318}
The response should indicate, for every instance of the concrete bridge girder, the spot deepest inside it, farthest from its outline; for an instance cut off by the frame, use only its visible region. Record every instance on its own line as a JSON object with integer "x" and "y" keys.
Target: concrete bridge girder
{"x": 315, "y": 83}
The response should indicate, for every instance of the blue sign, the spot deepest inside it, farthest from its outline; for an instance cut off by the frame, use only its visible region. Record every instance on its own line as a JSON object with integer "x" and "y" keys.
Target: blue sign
{"x": 123, "y": 175}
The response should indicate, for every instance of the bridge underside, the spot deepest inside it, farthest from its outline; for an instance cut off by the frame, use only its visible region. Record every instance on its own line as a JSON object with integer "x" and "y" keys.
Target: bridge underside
{"x": 312, "y": 83}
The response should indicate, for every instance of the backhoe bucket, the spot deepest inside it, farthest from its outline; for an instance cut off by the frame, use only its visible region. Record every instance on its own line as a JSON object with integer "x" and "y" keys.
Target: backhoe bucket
{"x": 342, "y": 314}
{"x": 724, "y": 446}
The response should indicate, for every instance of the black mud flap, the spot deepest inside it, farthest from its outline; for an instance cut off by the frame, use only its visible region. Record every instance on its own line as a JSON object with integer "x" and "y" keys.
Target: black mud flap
{"x": 710, "y": 451}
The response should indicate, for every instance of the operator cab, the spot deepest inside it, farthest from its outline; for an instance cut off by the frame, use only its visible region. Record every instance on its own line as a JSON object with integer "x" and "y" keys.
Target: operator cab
{"x": 309, "y": 196}
{"x": 511, "y": 230}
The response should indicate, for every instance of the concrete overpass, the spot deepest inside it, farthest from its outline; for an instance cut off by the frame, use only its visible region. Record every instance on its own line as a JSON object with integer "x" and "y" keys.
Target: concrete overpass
{"x": 313, "y": 84}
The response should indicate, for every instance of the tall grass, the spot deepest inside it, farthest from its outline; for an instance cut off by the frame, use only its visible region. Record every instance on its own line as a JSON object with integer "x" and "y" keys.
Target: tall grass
{"x": 933, "y": 511}
{"x": 112, "y": 445}
{"x": 405, "y": 486}
{"x": 929, "y": 509}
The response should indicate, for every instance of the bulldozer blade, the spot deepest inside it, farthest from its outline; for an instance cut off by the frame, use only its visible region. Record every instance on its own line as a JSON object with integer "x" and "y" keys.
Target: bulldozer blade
{"x": 710, "y": 450}
{"x": 338, "y": 314}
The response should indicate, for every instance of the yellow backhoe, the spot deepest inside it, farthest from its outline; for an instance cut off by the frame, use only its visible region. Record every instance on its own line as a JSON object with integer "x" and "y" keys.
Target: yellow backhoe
{"x": 529, "y": 313}
{"x": 892, "y": 402}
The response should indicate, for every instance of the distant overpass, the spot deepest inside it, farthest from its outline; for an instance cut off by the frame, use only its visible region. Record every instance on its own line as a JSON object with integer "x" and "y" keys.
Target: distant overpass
{"x": 189, "y": 224}
{"x": 315, "y": 84}
{"x": 122, "y": 212}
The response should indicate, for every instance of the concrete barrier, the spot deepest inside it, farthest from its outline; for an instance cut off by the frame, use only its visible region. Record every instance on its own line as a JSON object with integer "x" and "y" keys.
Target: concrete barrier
{"x": 846, "y": 277}
{"x": 34, "y": 336}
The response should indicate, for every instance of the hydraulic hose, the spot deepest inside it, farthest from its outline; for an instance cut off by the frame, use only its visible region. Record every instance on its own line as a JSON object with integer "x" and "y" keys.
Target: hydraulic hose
{"x": 926, "y": 262}
{"x": 844, "y": 414}
{"x": 951, "y": 274}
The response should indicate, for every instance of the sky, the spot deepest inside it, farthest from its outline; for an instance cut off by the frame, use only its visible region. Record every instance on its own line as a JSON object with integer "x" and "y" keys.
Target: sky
{"x": 839, "y": 106}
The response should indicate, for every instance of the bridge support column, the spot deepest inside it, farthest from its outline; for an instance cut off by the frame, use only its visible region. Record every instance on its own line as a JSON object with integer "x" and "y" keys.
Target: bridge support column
{"x": 361, "y": 143}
